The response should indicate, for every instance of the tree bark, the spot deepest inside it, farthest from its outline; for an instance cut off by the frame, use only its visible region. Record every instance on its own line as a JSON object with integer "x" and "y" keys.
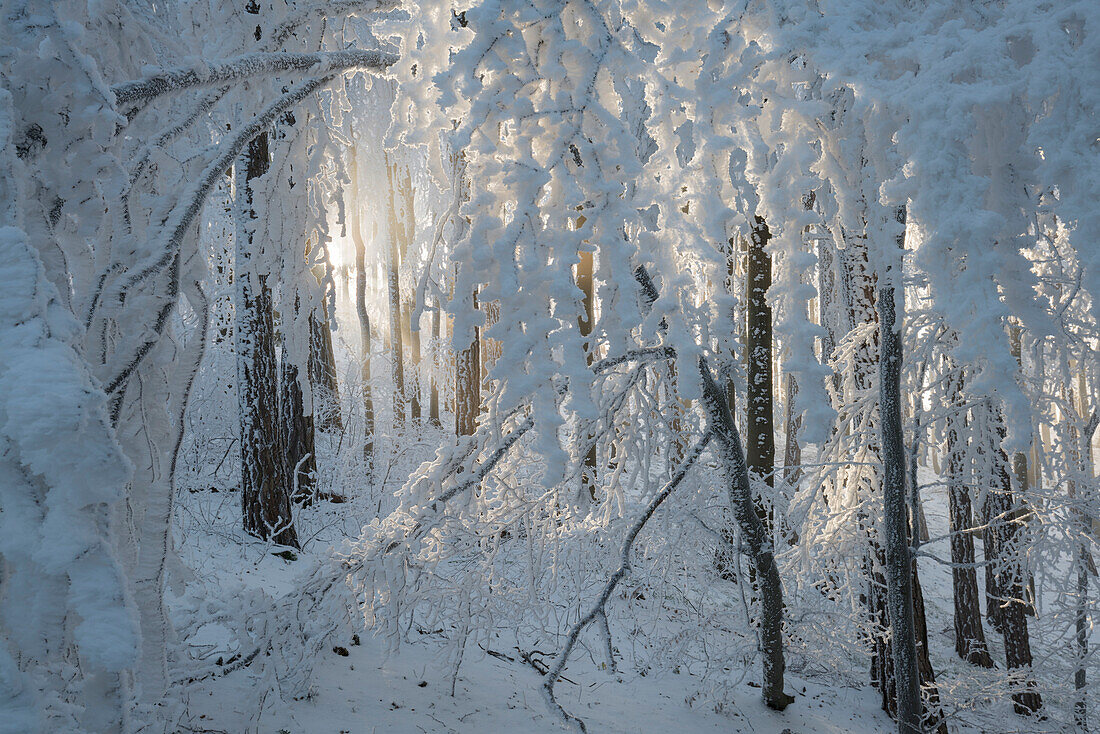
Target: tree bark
{"x": 759, "y": 401}
{"x": 414, "y": 362}
{"x": 899, "y": 576}
{"x": 970, "y": 643}
{"x": 397, "y": 357}
{"x": 1005, "y": 520}
{"x": 298, "y": 428}
{"x": 585, "y": 322}
{"x": 755, "y": 535}
{"x": 265, "y": 486}
{"x": 468, "y": 384}
{"x": 322, "y": 374}
{"x": 433, "y": 407}
{"x": 1081, "y": 568}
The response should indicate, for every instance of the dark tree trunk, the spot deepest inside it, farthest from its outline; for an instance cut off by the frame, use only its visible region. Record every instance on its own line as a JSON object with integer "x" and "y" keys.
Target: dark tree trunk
{"x": 970, "y": 641}
{"x": 759, "y": 402}
{"x": 899, "y": 572}
{"x": 265, "y": 486}
{"x": 414, "y": 361}
{"x": 1011, "y": 581}
{"x": 468, "y": 384}
{"x": 301, "y": 451}
{"x": 322, "y": 374}
{"x": 754, "y": 534}
{"x": 585, "y": 322}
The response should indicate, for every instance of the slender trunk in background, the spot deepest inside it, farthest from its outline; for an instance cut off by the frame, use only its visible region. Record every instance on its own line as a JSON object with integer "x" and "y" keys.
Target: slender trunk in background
{"x": 585, "y": 268}
{"x": 468, "y": 384}
{"x": 397, "y": 352}
{"x": 414, "y": 362}
{"x": 322, "y": 373}
{"x": 433, "y": 408}
{"x": 355, "y": 224}
{"x": 759, "y": 400}
{"x": 265, "y": 485}
{"x": 1020, "y": 472}
{"x": 411, "y": 334}
{"x": 1083, "y": 455}
{"x": 970, "y": 644}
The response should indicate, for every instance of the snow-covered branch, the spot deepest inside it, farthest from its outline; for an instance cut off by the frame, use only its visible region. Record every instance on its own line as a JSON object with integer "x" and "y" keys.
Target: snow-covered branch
{"x": 246, "y": 67}
{"x": 597, "y": 612}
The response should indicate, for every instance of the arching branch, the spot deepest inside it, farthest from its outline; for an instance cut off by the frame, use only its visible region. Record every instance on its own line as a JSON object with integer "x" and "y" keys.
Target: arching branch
{"x": 141, "y": 91}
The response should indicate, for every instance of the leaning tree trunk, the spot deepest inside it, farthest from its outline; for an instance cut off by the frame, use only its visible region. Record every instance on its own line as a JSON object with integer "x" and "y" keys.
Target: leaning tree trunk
{"x": 265, "y": 486}
{"x": 757, "y": 541}
{"x": 970, "y": 644}
{"x": 755, "y": 535}
{"x": 759, "y": 401}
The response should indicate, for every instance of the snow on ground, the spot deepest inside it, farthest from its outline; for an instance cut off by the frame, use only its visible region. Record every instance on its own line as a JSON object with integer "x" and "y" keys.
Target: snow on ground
{"x": 410, "y": 694}
{"x": 410, "y": 691}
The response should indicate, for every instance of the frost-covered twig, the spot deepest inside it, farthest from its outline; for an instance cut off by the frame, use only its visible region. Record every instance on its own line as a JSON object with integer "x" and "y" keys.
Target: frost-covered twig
{"x": 419, "y": 528}
{"x": 141, "y": 91}
{"x": 597, "y": 610}
{"x": 633, "y": 355}
{"x": 192, "y": 205}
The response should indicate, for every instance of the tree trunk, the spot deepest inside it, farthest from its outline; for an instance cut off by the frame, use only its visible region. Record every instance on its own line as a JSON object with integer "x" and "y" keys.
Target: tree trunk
{"x": 1081, "y": 567}
{"x": 468, "y": 384}
{"x": 755, "y": 535}
{"x": 397, "y": 357}
{"x": 322, "y": 373}
{"x": 414, "y": 361}
{"x": 792, "y": 422}
{"x": 759, "y": 408}
{"x": 899, "y": 575}
{"x": 433, "y": 407}
{"x": 585, "y": 322}
{"x": 301, "y": 451}
{"x": 356, "y": 225}
{"x": 1008, "y": 568}
{"x": 265, "y": 486}
{"x": 970, "y": 641}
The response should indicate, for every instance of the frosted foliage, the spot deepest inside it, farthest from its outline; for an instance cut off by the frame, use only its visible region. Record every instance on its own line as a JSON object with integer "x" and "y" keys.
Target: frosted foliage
{"x": 498, "y": 150}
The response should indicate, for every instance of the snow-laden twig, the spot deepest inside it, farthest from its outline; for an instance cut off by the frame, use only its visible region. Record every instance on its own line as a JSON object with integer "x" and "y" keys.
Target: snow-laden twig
{"x": 141, "y": 91}
{"x": 597, "y": 611}
{"x": 191, "y": 207}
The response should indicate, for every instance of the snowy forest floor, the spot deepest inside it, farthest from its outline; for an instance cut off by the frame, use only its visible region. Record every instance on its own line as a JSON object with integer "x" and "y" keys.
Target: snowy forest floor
{"x": 364, "y": 687}
{"x": 367, "y": 690}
